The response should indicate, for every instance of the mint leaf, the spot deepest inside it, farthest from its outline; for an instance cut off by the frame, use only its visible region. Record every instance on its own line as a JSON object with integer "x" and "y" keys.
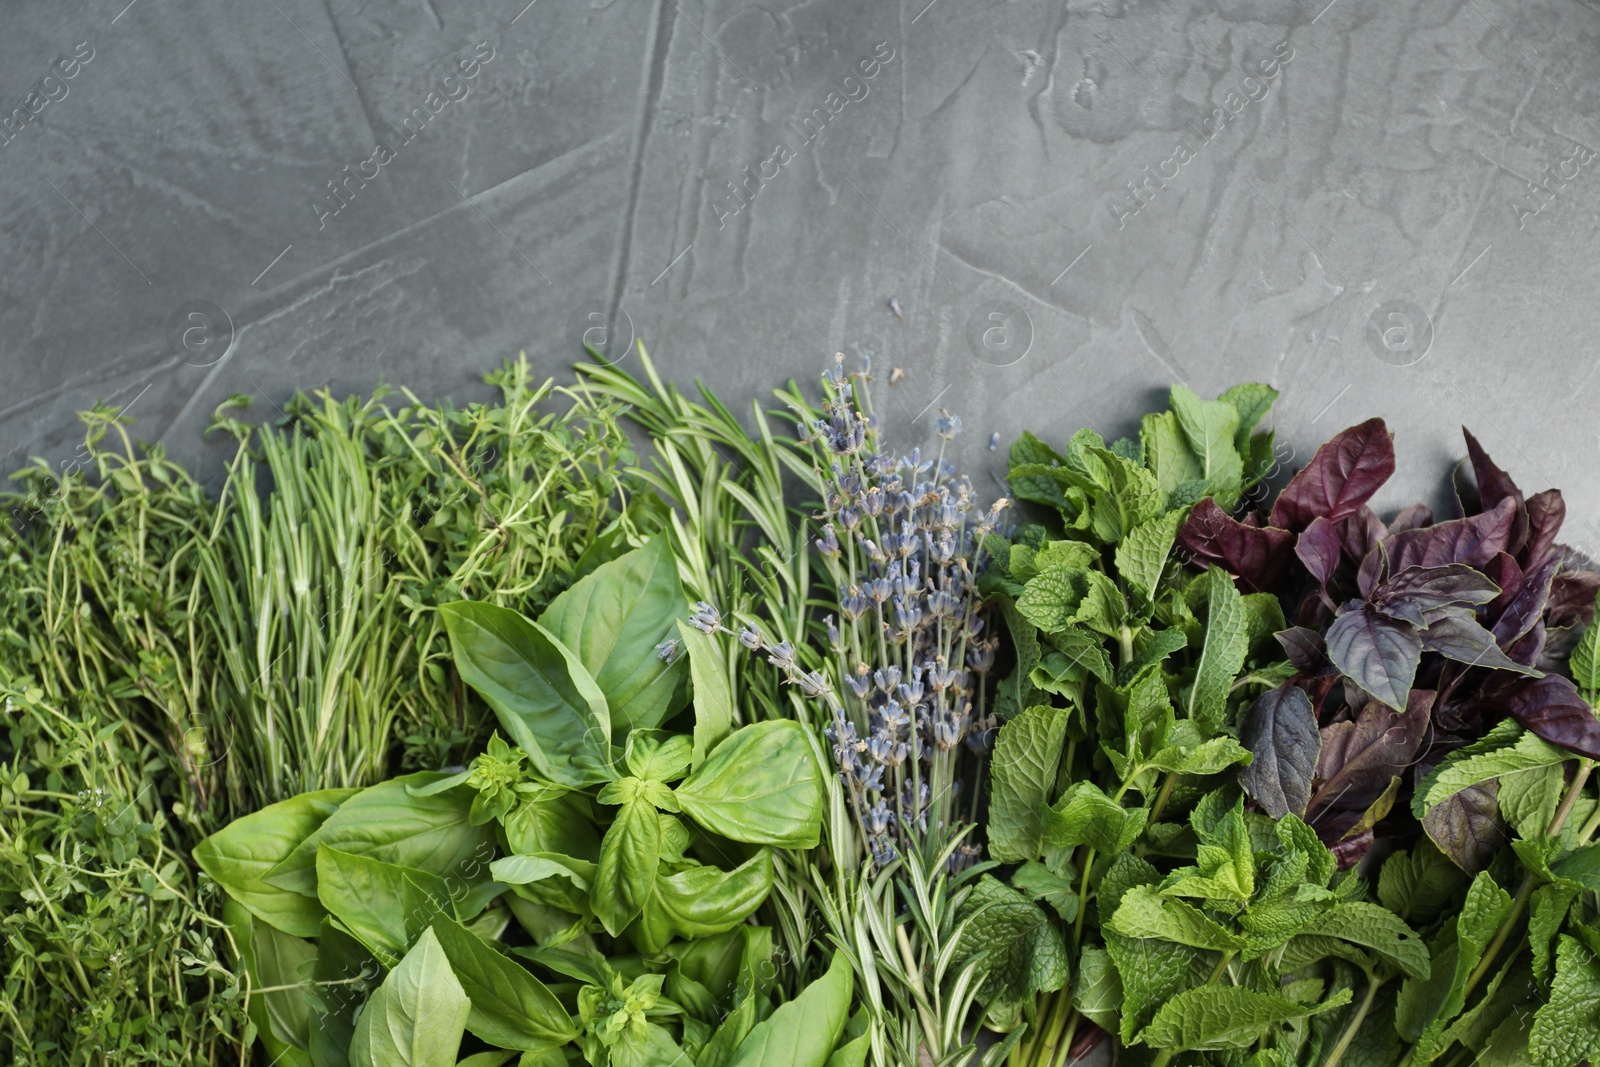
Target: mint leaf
{"x": 1208, "y": 757}
{"x": 1223, "y": 1017}
{"x": 1209, "y": 427}
{"x": 1584, "y": 663}
{"x": 1226, "y": 643}
{"x": 1014, "y": 945}
{"x": 1085, "y": 815}
{"x": 1145, "y": 913}
{"x": 1564, "y": 1030}
{"x": 1027, "y": 751}
{"x": 1051, "y": 598}
{"x": 1251, "y": 400}
{"x": 1378, "y": 929}
{"x": 1168, "y": 455}
{"x": 1142, "y": 554}
{"x": 1480, "y": 762}
{"x": 1097, "y": 990}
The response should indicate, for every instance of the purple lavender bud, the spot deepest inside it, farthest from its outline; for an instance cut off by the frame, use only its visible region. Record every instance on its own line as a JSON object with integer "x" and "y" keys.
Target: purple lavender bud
{"x": 886, "y": 679}
{"x": 947, "y": 426}
{"x": 835, "y": 641}
{"x": 667, "y": 651}
{"x": 860, "y": 684}
{"x": 828, "y": 543}
{"x": 750, "y": 638}
{"x": 781, "y": 655}
{"x": 872, "y": 502}
{"x": 706, "y": 618}
{"x": 872, "y": 778}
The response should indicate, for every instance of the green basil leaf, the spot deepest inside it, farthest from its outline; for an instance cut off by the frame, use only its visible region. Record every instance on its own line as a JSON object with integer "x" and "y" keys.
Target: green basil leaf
{"x": 761, "y": 785}
{"x": 282, "y": 966}
{"x": 658, "y": 760}
{"x": 613, "y": 619}
{"x": 416, "y": 1017}
{"x": 342, "y": 976}
{"x": 243, "y": 853}
{"x": 713, "y": 694}
{"x": 724, "y": 1044}
{"x": 241, "y": 925}
{"x": 805, "y": 1031}
{"x": 540, "y": 691}
{"x": 510, "y": 1007}
{"x": 630, "y": 853}
{"x": 385, "y": 906}
{"x": 702, "y": 901}
{"x": 387, "y": 822}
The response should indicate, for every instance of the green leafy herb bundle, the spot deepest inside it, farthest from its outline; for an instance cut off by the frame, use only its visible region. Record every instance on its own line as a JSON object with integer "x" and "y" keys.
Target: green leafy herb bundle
{"x": 1440, "y": 729}
{"x": 1185, "y": 922}
{"x": 584, "y": 892}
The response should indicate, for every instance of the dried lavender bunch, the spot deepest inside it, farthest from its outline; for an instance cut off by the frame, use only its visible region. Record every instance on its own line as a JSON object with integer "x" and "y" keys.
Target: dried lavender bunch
{"x": 904, "y": 689}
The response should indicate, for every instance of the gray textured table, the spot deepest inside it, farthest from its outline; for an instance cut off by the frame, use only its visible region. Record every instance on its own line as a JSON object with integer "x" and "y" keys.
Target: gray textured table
{"x": 1380, "y": 207}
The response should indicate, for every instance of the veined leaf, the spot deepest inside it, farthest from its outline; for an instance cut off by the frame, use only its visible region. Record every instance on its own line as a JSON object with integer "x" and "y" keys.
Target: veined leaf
{"x": 1016, "y": 946}
{"x": 1280, "y": 730}
{"x": 1027, "y": 751}
{"x": 805, "y": 1031}
{"x": 1142, "y": 554}
{"x": 1379, "y": 654}
{"x": 1209, "y": 426}
{"x": 1226, "y": 644}
{"x": 1223, "y": 1017}
{"x": 1506, "y": 750}
{"x": 612, "y": 619}
{"x": 416, "y": 1017}
{"x": 509, "y": 1006}
{"x": 1564, "y": 1030}
{"x": 760, "y": 785}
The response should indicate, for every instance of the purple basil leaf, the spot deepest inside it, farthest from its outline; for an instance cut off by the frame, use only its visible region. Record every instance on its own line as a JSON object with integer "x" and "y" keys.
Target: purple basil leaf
{"x": 1456, "y": 635}
{"x": 1551, "y": 707}
{"x": 1529, "y": 648}
{"x": 1340, "y": 478}
{"x": 1474, "y": 541}
{"x": 1494, "y": 486}
{"x": 1527, "y": 608}
{"x": 1359, "y": 757}
{"x": 1416, "y": 590}
{"x": 1360, "y": 534}
{"x": 1558, "y": 645}
{"x": 1319, "y": 549}
{"x": 1349, "y": 850}
{"x": 1410, "y": 518}
{"x": 1379, "y": 654}
{"x": 1280, "y": 730}
{"x": 1506, "y": 572}
{"x": 1304, "y": 648}
{"x": 1257, "y": 556}
{"x": 1466, "y": 827}
{"x": 1546, "y": 512}
{"x": 1572, "y": 597}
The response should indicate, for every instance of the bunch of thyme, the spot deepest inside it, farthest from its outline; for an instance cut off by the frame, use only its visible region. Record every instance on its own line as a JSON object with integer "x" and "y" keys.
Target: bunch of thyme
{"x": 901, "y": 541}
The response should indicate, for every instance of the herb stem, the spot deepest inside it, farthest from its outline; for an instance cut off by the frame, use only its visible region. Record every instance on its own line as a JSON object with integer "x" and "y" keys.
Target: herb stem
{"x": 1083, "y": 899}
{"x": 1061, "y": 1012}
{"x": 1161, "y": 798}
{"x": 1350, "y": 1031}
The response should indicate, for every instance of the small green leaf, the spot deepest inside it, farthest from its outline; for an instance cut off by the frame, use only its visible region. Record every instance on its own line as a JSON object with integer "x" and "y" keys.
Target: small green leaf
{"x": 1209, "y": 427}
{"x": 416, "y": 1017}
{"x": 1144, "y": 913}
{"x": 760, "y": 785}
{"x": 1506, "y": 750}
{"x": 1223, "y": 1017}
{"x": 630, "y": 854}
{"x": 1226, "y": 643}
{"x": 805, "y": 1031}
{"x": 1085, "y": 815}
{"x": 713, "y": 696}
{"x": 702, "y": 901}
{"x": 1142, "y": 555}
{"x": 510, "y": 1007}
{"x": 1014, "y": 945}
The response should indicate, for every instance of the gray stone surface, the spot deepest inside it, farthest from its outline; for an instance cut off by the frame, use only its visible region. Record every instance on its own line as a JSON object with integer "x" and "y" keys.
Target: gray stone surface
{"x": 983, "y": 168}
